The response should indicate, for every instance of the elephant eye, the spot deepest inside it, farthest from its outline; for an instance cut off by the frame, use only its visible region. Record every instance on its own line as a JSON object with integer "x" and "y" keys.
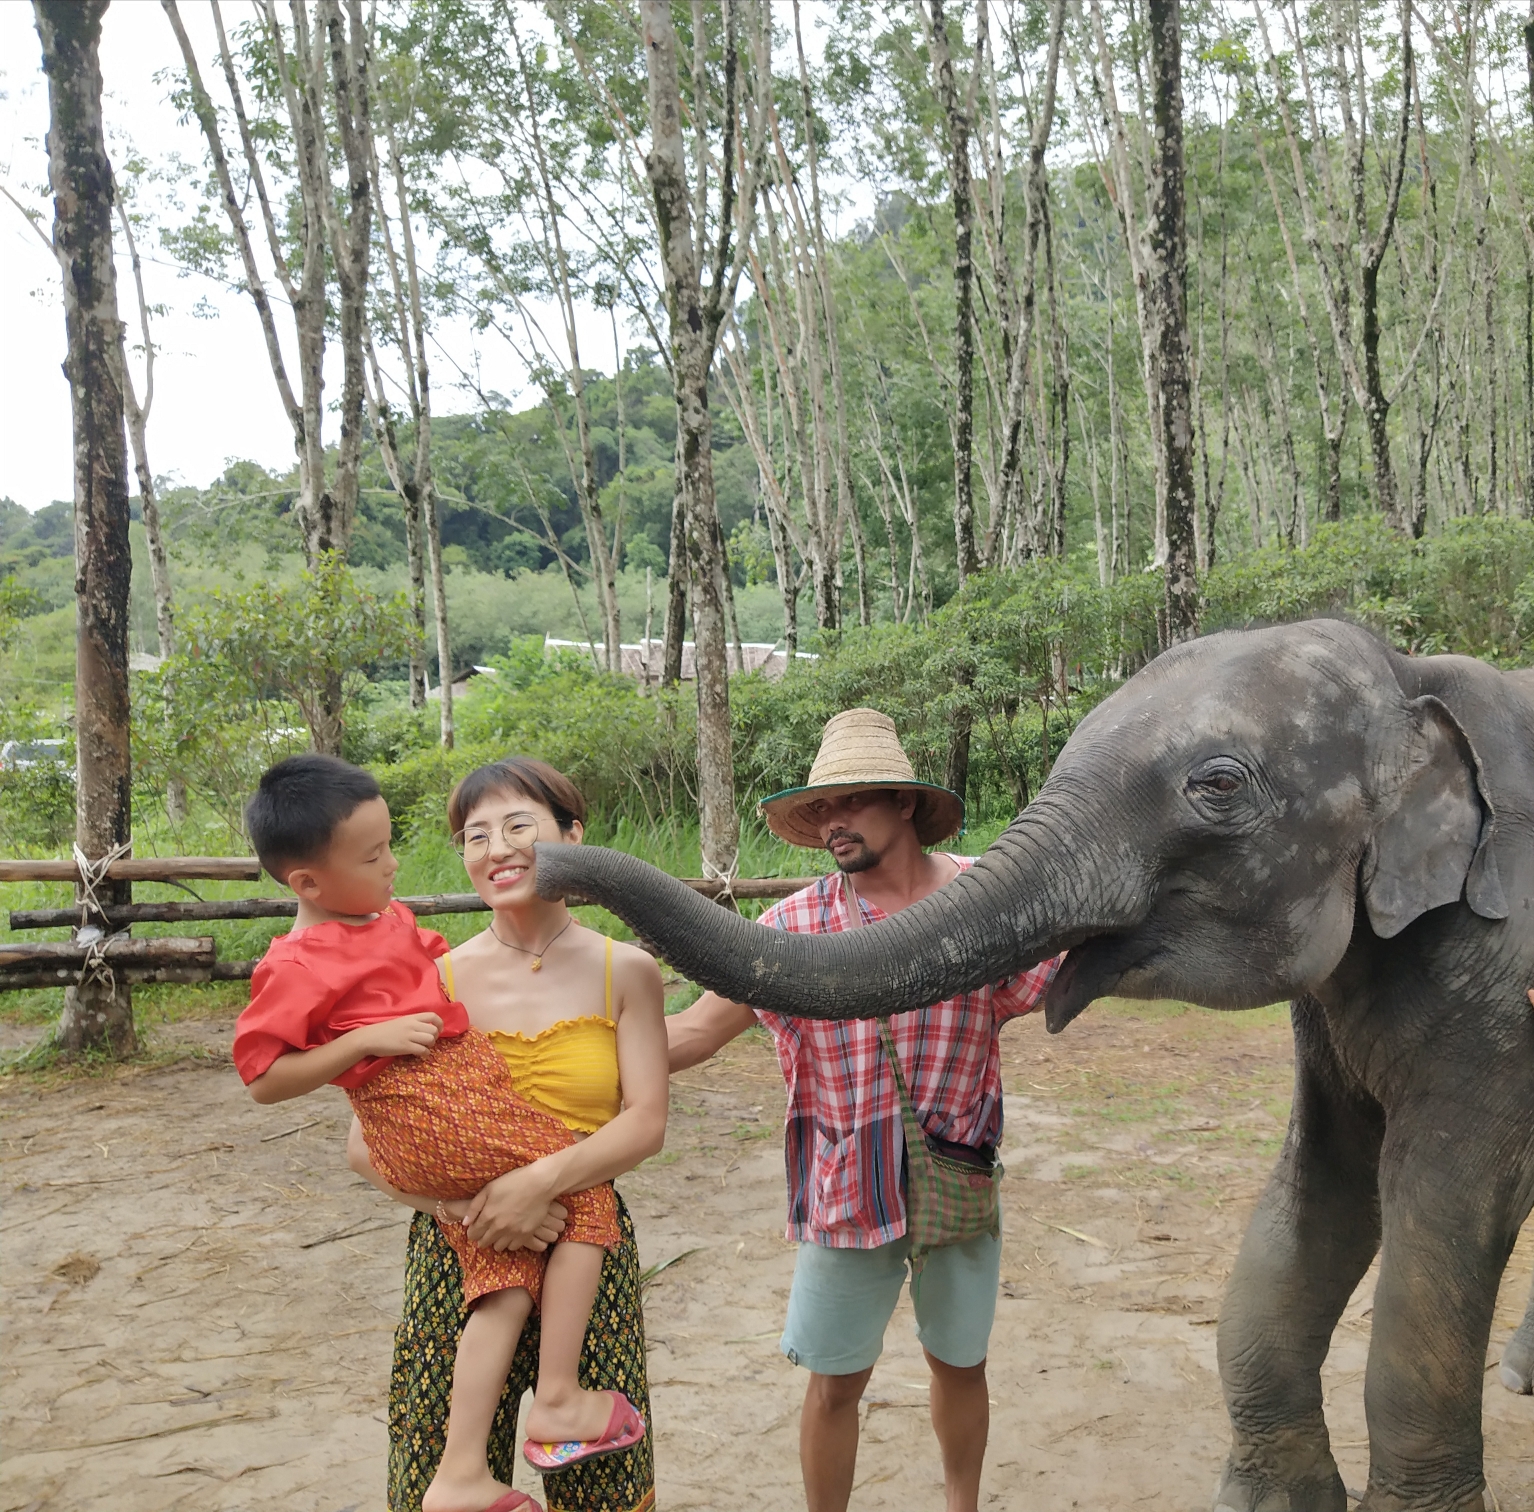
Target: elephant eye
{"x": 1220, "y": 778}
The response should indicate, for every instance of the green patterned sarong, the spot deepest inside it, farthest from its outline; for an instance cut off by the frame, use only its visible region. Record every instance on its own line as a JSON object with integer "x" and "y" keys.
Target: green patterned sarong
{"x": 421, "y": 1381}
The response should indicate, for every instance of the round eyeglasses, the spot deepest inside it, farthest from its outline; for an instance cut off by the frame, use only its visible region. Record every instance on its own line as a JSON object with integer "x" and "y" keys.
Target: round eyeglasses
{"x": 519, "y": 831}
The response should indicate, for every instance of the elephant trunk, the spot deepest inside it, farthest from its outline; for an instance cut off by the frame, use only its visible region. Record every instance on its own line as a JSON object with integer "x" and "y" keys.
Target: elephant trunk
{"x": 1032, "y": 894}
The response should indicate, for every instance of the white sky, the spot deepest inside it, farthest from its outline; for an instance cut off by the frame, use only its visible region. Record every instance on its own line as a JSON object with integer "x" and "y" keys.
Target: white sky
{"x": 214, "y": 395}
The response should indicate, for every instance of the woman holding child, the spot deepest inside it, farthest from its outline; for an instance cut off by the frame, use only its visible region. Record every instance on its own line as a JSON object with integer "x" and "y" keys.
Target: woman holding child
{"x": 503, "y": 1084}
{"x": 579, "y": 1022}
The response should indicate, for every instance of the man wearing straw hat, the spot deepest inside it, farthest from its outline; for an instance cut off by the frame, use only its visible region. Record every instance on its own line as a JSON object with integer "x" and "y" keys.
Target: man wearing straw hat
{"x": 886, "y": 1120}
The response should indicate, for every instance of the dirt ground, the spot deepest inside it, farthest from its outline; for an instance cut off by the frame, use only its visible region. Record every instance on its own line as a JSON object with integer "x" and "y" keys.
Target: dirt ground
{"x": 199, "y": 1296}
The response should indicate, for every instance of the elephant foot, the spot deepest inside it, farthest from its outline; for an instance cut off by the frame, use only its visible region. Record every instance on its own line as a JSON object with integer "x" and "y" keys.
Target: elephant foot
{"x": 1311, "y": 1486}
{"x": 1517, "y": 1370}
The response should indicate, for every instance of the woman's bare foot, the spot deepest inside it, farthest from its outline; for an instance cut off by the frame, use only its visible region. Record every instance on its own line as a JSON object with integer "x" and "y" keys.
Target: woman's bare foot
{"x": 570, "y": 1415}
{"x": 470, "y": 1493}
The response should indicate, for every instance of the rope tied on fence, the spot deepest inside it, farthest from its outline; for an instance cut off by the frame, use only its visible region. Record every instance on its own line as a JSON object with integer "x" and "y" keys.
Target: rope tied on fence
{"x": 725, "y": 897}
{"x": 93, "y": 874}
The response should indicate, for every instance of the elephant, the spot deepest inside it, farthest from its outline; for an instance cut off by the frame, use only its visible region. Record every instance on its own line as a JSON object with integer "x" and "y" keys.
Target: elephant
{"x": 1293, "y": 811}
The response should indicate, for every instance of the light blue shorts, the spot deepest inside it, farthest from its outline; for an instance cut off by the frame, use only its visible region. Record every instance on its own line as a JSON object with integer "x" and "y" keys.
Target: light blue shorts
{"x": 842, "y": 1301}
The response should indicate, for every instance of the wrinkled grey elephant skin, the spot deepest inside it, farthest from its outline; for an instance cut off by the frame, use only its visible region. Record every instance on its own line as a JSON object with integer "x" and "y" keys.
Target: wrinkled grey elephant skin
{"x": 1291, "y": 812}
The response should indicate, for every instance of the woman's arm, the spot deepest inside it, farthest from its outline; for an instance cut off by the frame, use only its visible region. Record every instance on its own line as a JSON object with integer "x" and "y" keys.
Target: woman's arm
{"x": 633, "y": 1136}
{"x": 543, "y": 1234}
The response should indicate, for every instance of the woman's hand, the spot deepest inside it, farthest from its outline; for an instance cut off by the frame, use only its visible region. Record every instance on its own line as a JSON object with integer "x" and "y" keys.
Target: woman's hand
{"x": 516, "y": 1211}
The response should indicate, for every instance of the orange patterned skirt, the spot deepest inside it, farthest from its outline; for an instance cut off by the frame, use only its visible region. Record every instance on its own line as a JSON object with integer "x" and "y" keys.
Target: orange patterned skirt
{"x": 445, "y": 1124}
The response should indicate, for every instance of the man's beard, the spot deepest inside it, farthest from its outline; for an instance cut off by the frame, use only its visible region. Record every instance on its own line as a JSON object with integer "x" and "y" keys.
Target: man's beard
{"x": 859, "y": 861}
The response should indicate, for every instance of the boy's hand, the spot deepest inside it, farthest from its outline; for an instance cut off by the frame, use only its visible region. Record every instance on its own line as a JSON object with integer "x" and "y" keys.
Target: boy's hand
{"x": 414, "y": 1034}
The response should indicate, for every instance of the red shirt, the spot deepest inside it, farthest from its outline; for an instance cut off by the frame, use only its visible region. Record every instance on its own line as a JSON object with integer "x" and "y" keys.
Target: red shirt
{"x": 844, "y": 1143}
{"x": 315, "y": 984}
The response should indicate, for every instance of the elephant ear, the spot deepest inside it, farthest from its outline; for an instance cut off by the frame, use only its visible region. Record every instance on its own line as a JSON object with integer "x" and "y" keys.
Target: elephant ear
{"x": 1437, "y": 840}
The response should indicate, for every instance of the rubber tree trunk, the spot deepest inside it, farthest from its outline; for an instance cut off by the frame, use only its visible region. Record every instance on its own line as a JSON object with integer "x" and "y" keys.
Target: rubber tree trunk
{"x": 98, "y": 1015}
{"x": 351, "y": 244}
{"x": 1167, "y": 296}
{"x": 1528, "y": 314}
{"x": 676, "y": 583}
{"x": 138, "y": 436}
{"x": 719, "y": 825}
{"x": 410, "y": 331}
{"x": 350, "y": 249}
{"x": 318, "y": 511}
{"x": 416, "y": 594}
{"x": 1036, "y": 190}
{"x": 1332, "y": 512}
{"x": 694, "y": 326}
{"x": 846, "y": 501}
{"x": 956, "y": 121}
{"x": 433, "y": 522}
{"x": 1376, "y": 406}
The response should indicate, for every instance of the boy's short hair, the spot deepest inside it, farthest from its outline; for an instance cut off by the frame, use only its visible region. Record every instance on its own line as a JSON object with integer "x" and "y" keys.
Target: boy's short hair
{"x": 528, "y": 778}
{"x": 300, "y": 802}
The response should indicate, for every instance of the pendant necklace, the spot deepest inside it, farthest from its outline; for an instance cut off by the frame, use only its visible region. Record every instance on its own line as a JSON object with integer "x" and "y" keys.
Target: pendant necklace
{"x": 537, "y": 955}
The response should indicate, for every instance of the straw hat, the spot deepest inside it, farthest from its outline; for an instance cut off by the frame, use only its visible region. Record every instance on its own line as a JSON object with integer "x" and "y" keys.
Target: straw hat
{"x": 860, "y": 749}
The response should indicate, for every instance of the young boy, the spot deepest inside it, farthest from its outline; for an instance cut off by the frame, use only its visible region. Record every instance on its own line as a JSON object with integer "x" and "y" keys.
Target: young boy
{"x": 352, "y": 996}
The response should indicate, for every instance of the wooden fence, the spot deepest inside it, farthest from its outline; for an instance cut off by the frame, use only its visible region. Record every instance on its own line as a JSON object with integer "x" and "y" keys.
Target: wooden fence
{"x": 193, "y": 958}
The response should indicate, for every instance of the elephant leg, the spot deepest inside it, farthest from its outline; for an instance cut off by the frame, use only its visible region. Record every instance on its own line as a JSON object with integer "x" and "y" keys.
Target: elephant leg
{"x": 1447, "y": 1238}
{"x": 1517, "y": 1372}
{"x": 1310, "y": 1241}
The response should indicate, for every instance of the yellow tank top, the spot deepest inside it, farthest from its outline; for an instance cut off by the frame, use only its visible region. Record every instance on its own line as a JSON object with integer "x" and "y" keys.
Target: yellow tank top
{"x": 570, "y": 1069}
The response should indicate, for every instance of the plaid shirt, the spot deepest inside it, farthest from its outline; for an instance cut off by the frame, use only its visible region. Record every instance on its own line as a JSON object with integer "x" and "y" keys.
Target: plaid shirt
{"x": 843, "y": 1141}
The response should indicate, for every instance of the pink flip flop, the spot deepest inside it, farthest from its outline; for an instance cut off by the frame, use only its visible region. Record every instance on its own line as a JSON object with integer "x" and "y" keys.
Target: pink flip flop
{"x": 624, "y": 1429}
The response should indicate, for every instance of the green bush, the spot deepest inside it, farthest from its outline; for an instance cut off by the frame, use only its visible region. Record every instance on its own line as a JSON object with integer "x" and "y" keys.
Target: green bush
{"x": 219, "y": 750}
{"x": 1345, "y": 566}
{"x": 1468, "y": 590}
{"x": 259, "y": 674}
{"x": 631, "y": 754}
{"x": 416, "y": 787}
{"x": 16, "y": 604}
{"x": 384, "y": 729}
{"x": 37, "y": 806}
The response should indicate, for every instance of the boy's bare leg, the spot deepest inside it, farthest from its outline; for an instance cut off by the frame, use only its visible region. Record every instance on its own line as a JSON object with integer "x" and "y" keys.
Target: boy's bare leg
{"x": 561, "y": 1410}
{"x": 463, "y": 1481}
